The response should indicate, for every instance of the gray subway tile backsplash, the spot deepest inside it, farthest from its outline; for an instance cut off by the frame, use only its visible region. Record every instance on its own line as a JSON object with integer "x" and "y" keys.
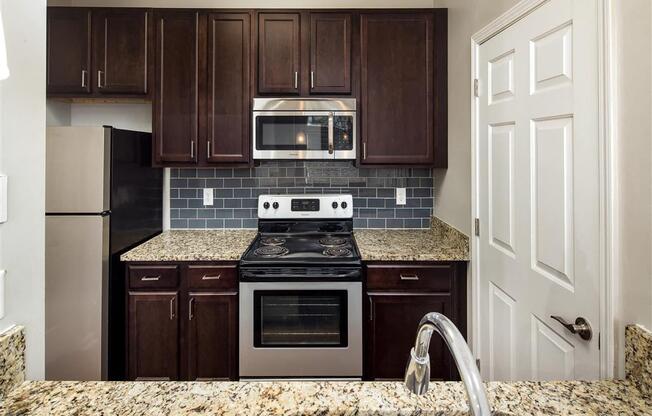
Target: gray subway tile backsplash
{"x": 236, "y": 191}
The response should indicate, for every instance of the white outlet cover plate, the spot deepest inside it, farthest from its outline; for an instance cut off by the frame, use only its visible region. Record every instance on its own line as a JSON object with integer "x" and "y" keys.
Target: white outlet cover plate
{"x": 401, "y": 198}
{"x": 208, "y": 196}
{"x": 3, "y": 198}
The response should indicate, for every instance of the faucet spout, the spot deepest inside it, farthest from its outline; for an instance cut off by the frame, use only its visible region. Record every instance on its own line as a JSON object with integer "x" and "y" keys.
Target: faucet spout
{"x": 417, "y": 373}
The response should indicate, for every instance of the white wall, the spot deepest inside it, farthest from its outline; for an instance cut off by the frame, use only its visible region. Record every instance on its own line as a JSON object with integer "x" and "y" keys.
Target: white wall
{"x": 452, "y": 191}
{"x": 22, "y": 159}
{"x": 633, "y": 188}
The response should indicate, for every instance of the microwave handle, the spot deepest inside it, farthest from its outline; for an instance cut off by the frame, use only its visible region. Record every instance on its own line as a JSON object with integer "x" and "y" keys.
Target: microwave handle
{"x": 330, "y": 134}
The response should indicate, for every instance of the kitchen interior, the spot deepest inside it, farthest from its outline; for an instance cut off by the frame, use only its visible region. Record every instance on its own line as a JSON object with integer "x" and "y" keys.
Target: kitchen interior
{"x": 346, "y": 207}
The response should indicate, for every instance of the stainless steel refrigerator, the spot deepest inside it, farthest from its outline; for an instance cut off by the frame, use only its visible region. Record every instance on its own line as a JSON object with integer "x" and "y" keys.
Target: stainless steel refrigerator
{"x": 102, "y": 198}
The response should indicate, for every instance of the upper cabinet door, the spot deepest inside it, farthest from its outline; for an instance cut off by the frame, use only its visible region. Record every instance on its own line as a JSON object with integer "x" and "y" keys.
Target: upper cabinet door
{"x": 228, "y": 94}
{"x": 177, "y": 73}
{"x": 397, "y": 88}
{"x": 68, "y": 50}
{"x": 330, "y": 53}
{"x": 121, "y": 48}
{"x": 279, "y": 49}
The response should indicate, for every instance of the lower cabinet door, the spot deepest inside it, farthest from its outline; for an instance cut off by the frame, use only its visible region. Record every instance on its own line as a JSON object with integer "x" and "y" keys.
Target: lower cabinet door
{"x": 212, "y": 336}
{"x": 392, "y": 328}
{"x": 153, "y": 336}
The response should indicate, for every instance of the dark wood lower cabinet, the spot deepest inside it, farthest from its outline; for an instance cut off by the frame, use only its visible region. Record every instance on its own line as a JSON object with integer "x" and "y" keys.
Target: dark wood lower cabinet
{"x": 153, "y": 336}
{"x": 212, "y": 336}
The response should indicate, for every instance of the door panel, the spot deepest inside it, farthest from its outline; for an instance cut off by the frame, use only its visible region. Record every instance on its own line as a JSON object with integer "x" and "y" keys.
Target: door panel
{"x": 392, "y": 331}
{"x": 278, "y": 53}
{"x": 153, "y": 336}
{"x": 228, "y": 87}
{"x": 538, "y": 194}
{"x": 330, "y": 53}
{"x": 69, "y": 50}
{"x": 397, "y": 88}
{"x": 177, "y": 76}
{"x": 212, "y": 337}
{"x": 121, "y": 47}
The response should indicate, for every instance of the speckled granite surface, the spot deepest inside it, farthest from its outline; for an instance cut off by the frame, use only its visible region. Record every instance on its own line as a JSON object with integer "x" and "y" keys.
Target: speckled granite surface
{"x": 12, "y": 359}
{"x": 317, "y": 398}
{"x": 193, "y": 245}
{"x": 638, "y": 358}
{"x": 440, "y": 243}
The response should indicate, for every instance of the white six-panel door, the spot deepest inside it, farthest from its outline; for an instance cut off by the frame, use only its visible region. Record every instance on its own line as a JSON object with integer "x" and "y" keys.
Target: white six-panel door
{"x": 538, "y": 193}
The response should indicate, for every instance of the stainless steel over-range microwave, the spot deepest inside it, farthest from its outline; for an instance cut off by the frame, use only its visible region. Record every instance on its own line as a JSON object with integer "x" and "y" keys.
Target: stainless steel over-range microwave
{"x": 304, "y": 128}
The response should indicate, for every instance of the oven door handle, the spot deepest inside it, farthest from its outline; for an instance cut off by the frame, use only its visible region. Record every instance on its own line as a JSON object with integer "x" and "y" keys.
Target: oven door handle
{"x": 270, "y": 276}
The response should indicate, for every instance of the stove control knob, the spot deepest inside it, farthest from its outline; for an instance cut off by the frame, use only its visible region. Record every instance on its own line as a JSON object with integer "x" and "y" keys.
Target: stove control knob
{"x": 334, "y": 205}
{"x": 275, "y": 205}
{"x": 266, "y": 205}
{"x": 344, "y": 204}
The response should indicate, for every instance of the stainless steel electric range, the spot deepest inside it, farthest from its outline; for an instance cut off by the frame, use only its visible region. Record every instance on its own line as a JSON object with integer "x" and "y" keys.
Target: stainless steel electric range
{"x": 301, "y": 291}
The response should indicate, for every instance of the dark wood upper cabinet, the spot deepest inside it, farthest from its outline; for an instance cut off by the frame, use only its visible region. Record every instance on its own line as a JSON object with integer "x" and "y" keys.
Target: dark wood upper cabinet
{"x": 397, "y": 88}
{"x": 153, "y": 326}
{"x": 330, "y": 53}
{"x": 228, "y": 94}
{"x": 279, "y": 49}
{"x": 69, "y": 50}
{"x": 176, "y": 103}
{"x": 122, "y": 51}
{"x": 212, "y": 336}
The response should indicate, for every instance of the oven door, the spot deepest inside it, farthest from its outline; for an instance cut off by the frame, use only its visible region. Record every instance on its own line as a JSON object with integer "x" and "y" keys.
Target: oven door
{"x": 300, "y": 329}
{"x": 303, "y": 135}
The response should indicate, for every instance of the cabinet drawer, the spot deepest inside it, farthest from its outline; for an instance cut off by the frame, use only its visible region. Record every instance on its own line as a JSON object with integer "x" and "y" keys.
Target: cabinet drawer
{"x": 434, "y": 278}
{"x": 213, "y": 277}
{"x": 151, "y": 277}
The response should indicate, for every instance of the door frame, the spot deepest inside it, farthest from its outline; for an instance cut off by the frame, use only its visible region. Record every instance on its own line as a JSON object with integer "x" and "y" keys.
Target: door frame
{"x": 607, "y": 139}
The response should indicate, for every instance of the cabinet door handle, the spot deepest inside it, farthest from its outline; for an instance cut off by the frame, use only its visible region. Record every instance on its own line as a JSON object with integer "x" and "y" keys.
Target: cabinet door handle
{"x": 364, "y": 150}
{"x": 208, "y": 277}
{"x": 83, "y": 76}
{"x": 191, "y": 304}
{"x": 192, "y": 149}
{"x": 312, "y": 79}
{"x": 208, "y": 149}
{"x": 172, "y": 308}
{"x": 99, "y": 78}
{"x": 150, "y": 278}
{"x": 296, "y": 80}
{"x": 371, "y": 309}
{"x": 409, "y": 277}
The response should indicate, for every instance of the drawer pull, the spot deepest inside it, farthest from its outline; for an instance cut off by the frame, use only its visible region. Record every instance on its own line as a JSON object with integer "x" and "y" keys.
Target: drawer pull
{"x": 409, "y": 277}
{"x": 209, "y": 277}
{"x": 150, "y": 278}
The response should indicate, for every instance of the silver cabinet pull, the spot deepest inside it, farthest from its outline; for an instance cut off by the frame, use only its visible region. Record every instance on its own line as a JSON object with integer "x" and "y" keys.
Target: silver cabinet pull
{"x": 364, "y": 150}
{"x": 172, "y": 308}
{"x": 208, "y": 277}
{"x": 581, "y": 327}
{"x": 191, "y": 304}
{"x": 409, "y": 276}
{"x": 371, "y": 309}
{"x": 312, "y": 79}
{"x": 150, "y": 278}
{"x": 296, "y": 80}
{"x": 208, "y": 149}
{"x": 99, "y": 78}
{"x": 192, "y": 149}
{"x": 331, "y": 148}
{"x": 83, "y": 76}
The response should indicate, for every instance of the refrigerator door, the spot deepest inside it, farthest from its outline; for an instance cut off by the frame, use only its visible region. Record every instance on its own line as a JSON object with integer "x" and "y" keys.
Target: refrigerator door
{"x": 77, "y": 169}
{"x": 76, "y": 304}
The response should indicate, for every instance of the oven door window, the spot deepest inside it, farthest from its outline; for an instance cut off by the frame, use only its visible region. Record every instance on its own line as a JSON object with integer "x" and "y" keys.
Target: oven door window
{"x": 291, "y": 132}
{"x": 300, "y": 318}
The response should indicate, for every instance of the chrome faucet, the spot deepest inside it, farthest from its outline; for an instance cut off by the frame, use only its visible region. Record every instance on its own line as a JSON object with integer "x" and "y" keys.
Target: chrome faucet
{"x": 417, "y": 373}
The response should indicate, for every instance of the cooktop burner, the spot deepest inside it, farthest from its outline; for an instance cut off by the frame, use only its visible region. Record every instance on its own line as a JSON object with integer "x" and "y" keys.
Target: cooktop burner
{"x": 271, "y": 251}
{"x": 332, "y": 241}
{"x": 337, "y": 252}
{"x": 272, "y": 241}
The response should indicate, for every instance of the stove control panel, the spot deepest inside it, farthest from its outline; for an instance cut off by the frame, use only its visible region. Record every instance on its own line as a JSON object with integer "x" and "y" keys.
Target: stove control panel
{"x": 305, "y": 206}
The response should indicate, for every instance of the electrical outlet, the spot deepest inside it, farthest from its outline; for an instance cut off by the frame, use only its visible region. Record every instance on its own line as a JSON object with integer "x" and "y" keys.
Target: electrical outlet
{"x": 208, "y": 196}
{"x": 400, "y": 196}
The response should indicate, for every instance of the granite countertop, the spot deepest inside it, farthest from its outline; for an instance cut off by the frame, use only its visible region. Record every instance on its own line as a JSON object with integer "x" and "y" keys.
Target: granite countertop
{"x": 439, "y": 243}
{"x": 193, "y": 245}
{"x": 318, "y": 398}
